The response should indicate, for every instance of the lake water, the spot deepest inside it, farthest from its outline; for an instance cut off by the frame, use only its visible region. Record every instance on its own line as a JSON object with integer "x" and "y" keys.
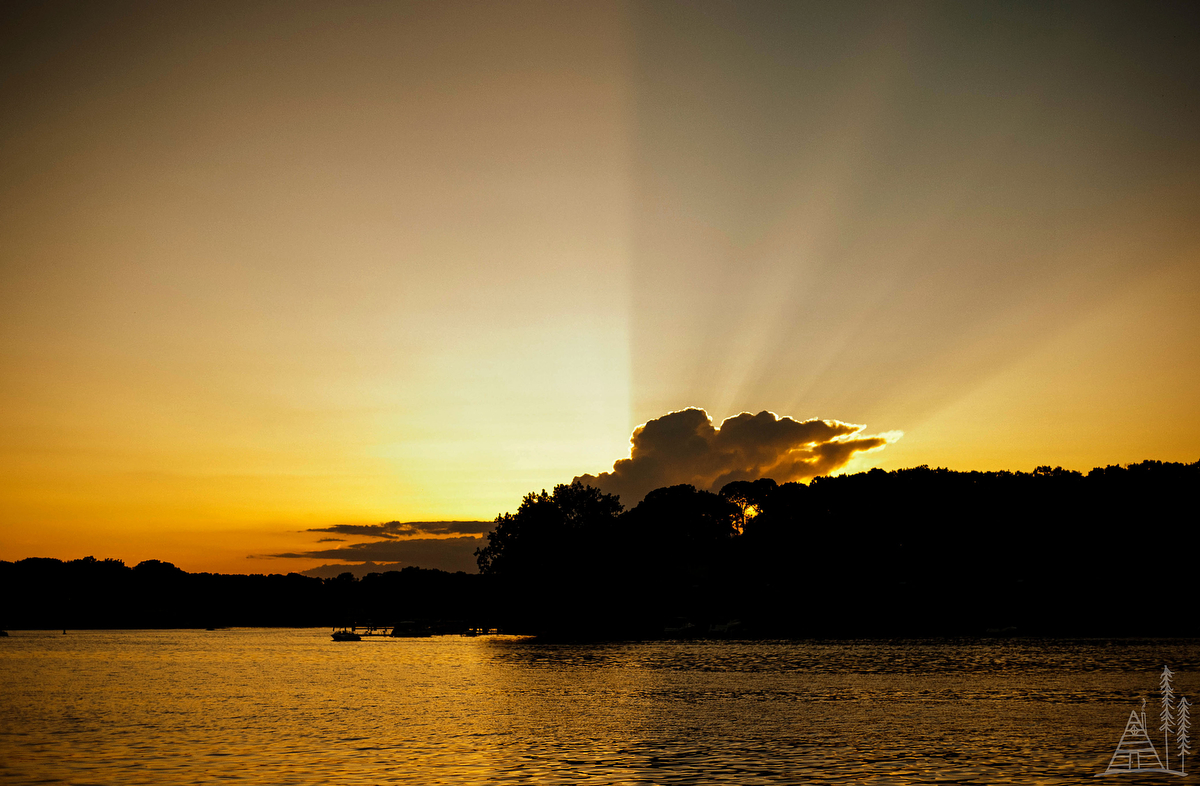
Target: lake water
{"x": 291, "y": 706}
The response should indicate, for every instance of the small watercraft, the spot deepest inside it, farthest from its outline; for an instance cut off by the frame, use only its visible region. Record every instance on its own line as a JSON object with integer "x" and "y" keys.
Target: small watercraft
{"x": 346, "y": 635}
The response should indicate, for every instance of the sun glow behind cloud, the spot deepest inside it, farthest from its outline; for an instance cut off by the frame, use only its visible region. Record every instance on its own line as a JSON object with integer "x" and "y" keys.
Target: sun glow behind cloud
{"x": 878, "y": 208}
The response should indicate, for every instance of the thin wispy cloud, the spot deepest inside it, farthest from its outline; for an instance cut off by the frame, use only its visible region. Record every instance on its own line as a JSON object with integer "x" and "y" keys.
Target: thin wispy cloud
{"x": 452, "y": 553}
{"x": 395, "y": 530}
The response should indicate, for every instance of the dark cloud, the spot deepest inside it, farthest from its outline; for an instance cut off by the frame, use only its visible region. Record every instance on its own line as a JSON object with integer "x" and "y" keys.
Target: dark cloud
{"x": 685, "y": 447}
{"x": 393, "y": 530}
{"x": 452, "y": 554}
{"x": 331, "y": 540}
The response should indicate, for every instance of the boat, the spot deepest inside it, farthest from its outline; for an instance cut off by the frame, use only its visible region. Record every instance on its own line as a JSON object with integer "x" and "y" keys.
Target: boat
{"x": 346, "y": 635}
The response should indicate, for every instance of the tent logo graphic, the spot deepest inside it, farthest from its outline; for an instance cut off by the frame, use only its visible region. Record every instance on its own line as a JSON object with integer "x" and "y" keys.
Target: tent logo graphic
{"x": 1136, "y": 752}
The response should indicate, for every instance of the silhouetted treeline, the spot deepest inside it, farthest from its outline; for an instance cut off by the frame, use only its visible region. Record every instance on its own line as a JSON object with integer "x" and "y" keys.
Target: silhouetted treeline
{"x": 912, "y": 552}
{"x": 91, "y": 593}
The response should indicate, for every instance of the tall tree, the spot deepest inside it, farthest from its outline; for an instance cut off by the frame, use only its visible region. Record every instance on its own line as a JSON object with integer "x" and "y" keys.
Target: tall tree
{"x": 549, "y": 531}
{"x": 750, "y": 496}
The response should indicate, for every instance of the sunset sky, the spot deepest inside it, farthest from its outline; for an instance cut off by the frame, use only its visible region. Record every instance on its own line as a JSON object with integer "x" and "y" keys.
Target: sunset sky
{"x": 275, "y": 267}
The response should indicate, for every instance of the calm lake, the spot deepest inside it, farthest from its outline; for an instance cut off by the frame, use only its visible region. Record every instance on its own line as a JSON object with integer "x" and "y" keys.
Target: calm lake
{"x": 291, "y": 706}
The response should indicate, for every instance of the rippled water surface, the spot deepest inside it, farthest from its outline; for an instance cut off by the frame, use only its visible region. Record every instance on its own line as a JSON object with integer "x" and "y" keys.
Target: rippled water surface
{"x": 291, "y": 706}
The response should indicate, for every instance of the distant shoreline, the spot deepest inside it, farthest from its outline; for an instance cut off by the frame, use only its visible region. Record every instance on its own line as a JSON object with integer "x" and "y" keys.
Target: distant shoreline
{"x": 906, "y": 554}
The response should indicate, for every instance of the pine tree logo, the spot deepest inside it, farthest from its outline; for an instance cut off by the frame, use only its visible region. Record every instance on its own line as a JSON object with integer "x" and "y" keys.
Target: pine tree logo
{"x": 1183, "y": 723}
{"x": 1166, "y": 721}
{"x": 1136, "y": 753}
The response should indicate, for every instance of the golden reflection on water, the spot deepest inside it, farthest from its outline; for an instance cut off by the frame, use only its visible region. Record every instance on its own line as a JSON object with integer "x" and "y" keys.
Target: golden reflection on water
{"x": 290, "y": 706}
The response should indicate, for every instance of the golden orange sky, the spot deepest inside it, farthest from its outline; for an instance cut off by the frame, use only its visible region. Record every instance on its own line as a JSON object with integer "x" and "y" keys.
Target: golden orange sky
{"x": 272, "y": 268}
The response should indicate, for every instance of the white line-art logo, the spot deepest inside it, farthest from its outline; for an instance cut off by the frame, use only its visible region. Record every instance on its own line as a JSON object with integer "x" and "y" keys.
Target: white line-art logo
{"x": 1136, "y": 753}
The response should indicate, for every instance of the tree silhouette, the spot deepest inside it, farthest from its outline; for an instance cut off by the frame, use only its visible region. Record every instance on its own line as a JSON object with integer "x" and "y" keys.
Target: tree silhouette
{"x": 549, "y": 529}
{"x": 682, "y": 524}
{"x": 750, "y": 496}
{"x": 549, "y": 559}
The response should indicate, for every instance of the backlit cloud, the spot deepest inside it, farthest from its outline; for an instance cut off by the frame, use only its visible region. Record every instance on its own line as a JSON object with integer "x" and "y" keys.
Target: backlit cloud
{"x": 685, "y": 447}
